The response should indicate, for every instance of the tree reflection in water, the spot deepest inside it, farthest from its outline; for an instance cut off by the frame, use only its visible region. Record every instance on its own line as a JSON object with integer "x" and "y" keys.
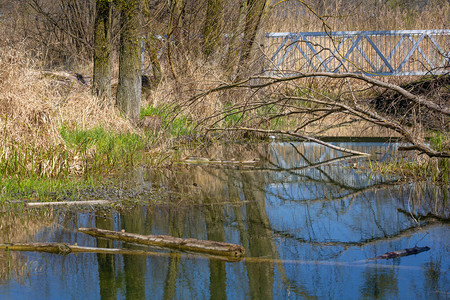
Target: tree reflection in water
{"x": 301, "y": 206}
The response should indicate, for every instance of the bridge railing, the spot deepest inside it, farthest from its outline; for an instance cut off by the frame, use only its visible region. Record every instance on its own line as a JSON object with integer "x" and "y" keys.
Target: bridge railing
{"x": 374, "y": 53}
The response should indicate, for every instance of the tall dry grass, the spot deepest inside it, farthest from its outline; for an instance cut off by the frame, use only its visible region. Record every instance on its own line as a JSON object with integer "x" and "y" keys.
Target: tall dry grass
{"x": 341, "y": 15}
{"x": 33, "y": 106}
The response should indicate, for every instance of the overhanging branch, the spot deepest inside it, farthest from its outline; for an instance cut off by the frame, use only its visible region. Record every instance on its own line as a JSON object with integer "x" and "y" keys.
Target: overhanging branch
{"x": 417, "y": 99}
{"x": 295, "y": 134}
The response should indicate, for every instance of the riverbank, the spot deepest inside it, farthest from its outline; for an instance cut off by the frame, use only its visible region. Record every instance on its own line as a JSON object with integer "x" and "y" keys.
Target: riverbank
{"x": 60, "y": 143}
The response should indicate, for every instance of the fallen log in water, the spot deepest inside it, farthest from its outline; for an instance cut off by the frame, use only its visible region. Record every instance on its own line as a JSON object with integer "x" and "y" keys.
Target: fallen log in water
{"x": 403, "y": 252}
{"x": 193, "y": 245}
{"x": 64, "y": 249}
{"x": 58, "y": 248}
{"x": 88, "y": 202}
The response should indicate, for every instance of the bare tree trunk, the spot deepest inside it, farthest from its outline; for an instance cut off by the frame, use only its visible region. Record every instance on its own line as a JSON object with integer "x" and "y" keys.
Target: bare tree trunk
{"x": 255, "y": 13}
{"x": 174, "y": 32}
{"x": 213, "y": 26}
{"x": 153, "y": 55}
{"x": 232, "y": 56}
{"x": 102, "y": 50}
{"x": 176, "y": 21}
{"x": 130, "y": 70}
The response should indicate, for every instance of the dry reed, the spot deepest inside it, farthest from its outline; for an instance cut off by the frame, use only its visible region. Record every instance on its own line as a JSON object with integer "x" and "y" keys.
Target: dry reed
{"x": 34, "y": 106}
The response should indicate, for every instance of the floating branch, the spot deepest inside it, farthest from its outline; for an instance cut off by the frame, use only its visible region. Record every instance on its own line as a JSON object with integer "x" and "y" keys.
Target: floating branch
{"x": 64, "y": 249}
{"x": 403, "y": 252}
{"x": 203, "y": 160}
{"x": 57, "y": 248}
{"x": 193, "y": 245}
{"x": 89, "y": 202}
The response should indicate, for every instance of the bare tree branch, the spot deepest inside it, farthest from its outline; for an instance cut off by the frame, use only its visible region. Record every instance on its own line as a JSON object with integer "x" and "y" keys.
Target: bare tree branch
{"x": 295, "y": 134}
{"x": 417, "y": 99}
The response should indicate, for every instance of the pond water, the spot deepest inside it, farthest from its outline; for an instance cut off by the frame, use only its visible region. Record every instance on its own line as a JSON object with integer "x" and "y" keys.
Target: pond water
{"x": 310, "y": 219}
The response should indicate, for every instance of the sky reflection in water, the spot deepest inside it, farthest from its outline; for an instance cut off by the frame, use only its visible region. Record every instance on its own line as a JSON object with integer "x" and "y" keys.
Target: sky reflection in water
{"x": 308, "y": 233}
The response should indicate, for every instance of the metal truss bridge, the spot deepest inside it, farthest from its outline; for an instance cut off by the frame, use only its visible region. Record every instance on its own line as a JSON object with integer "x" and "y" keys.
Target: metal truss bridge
{"x": 373, "y": 53}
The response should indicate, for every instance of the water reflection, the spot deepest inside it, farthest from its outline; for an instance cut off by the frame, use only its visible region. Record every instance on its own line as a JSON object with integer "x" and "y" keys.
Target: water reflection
{"x": 307, "y": 216}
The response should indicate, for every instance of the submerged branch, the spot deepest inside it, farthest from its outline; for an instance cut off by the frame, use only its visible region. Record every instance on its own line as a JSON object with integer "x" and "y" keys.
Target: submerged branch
{"x": 64, "y": 249}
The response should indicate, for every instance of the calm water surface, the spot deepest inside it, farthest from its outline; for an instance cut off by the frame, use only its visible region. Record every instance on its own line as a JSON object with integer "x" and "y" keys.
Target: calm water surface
{"x": 308, "y": 217}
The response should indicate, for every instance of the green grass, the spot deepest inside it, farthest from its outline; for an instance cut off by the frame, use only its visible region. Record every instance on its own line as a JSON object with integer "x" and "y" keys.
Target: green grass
{"x": 19, "y": 160}
{"x": 42, "y": 189}
{"x": 233, "y": 117}
{"x": 176, "y": 124}
{"x": 87, "y": 152}
{"x": 438, "y": 140}
{"x": 100, "y": 150}
{"x": 435, "y": 170}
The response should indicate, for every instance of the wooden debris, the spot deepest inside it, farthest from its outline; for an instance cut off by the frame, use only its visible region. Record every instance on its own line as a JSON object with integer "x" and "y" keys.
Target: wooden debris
{"x": 65, "y": 249}
{"x": 193, "y": 245}
{"x": 88, "y": 202}
{"x": 203, "y": 160}
{"x": 58, "y": 248}
{"x": 403, "y": 252}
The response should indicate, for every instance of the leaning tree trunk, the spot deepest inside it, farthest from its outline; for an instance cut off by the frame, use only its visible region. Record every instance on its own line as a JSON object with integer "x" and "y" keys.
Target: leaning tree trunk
{"x": 255, "y": 13}
{"x": 102, "y": 50}
{"x": 130, "y": 71}
{"x": 174, "y": 34}
{"x": 232, "y": 55}
{"x": 153, "y": 56}
{"x": 213, "y": 26}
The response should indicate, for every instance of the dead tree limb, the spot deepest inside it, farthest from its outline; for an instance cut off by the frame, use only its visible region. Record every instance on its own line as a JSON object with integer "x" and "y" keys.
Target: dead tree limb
{"x": 192, "y": 245}
{"x": 417, "y": 99}
{"x": 55, "y": 203}
{"x": 327, "y": 107}
{"x": 65, "y": 249}
{"x": 375, "y": 118}
{"x": 271, "y": 80}
{"x": 403, "y": 252}
{"x": 295, "y": 134}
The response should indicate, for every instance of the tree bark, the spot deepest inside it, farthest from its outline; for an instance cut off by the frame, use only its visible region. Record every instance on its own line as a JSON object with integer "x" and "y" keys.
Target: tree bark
{"x": 130, "y": 70}
{"x": 255, "y": 12}
{"x": 194, "y": 245}
{"x": 176, "y": 21}
{"x": 234, "y": 49}
{"x": 153, "y": 56}
{"x": 213, "y": 26}
{"x": 102, "y": 50}
{"x": 174, "y": 33}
